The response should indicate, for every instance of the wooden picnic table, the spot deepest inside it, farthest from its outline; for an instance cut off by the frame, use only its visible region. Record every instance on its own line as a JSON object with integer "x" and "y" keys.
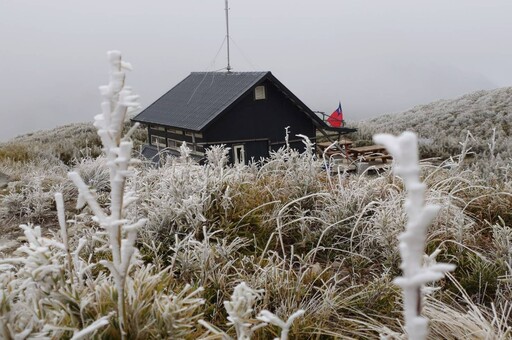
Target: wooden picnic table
{"x": 362, "y": 150}
{"x": 341, "y": 149}
{"x": 370, "y": 153}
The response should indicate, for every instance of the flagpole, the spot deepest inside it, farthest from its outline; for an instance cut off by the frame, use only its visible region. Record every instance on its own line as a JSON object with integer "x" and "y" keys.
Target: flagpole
{"x": 227, "y": 34}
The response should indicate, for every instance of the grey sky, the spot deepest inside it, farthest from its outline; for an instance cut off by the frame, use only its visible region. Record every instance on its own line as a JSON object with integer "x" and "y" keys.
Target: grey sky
{"x": 375, "y": 56}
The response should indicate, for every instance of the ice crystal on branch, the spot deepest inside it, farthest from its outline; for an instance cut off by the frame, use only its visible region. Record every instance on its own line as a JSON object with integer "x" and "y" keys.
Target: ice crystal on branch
{"x": 117, "y": 100}
{"x": 273, "y": 319}
{"x": 240, "y": 309}
{"x": 404, "y": 150}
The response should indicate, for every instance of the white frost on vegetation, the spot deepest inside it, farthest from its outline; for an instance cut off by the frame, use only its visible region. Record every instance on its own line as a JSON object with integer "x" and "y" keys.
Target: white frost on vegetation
{"x": 412, "y": 241}
{"x": 117, "y": 100}
{"x": 240, "y": 309}
{"x": 315, "y": 241}
{"x": 442, "y": 124}
{"x": 285, "y": 326}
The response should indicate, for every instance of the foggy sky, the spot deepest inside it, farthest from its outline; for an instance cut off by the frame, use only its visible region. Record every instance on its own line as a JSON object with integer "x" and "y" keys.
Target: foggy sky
{"x": 375, "y": 56}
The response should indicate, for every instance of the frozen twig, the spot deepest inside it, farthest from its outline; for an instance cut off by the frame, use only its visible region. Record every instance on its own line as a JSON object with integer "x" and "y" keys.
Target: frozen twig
{"x": 240, "y": 309}
{"x": 412, "y": 241}
{"x": 59, "y": 201}
{"x": 273, "y": 319}
{"x": 89, "y": 330}
{"x": 117, "y": 100}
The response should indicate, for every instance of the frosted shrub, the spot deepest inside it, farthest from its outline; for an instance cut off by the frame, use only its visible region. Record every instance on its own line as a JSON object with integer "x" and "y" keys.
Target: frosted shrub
{"x": 285, "y": 326}
{"x": 173, "y": 198}
{"x": 207, "y": 262}
{"x": 40, "y": 264}
{"x": 94, "y": 172}
{"x": 217, "y": 157}
{"x": 383, "y": 227}
{"x": 180, "y": 197}
{"x": 300, "y": 171}
{"x": 31, "y": 198}
{"x": 31, "y": 285}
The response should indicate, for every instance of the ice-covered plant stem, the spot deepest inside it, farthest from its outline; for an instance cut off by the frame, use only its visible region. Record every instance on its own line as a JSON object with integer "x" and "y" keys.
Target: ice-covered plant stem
{"x": 117, "y": 100}
{"x": 404, "y": 150}
{"x": 240, "y": 311}
{"x": 273, "y": 319}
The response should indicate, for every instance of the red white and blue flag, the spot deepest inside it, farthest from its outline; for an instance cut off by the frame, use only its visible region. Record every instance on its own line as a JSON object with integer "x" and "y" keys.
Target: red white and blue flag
{"x": 336, "y": 118}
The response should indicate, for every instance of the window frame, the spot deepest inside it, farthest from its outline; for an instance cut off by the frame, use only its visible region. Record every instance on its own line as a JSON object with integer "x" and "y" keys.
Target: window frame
{"x": 236, "y": 156}
{"x": 177, "y": 143}
{"x": 175, "y": 131}
{"x": 260, "y": 92}
{"x": 157, "y": 127}
{"x": 155, "y": 141}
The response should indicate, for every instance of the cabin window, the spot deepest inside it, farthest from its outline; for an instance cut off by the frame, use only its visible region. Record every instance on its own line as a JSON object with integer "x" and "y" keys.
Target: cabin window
{"x": 173, "y": 143}
{"x": 158, "y": 141}
{"x": 239, "y": 152}
{"x": 194, "y": 134}
{"x": 189, "y": 133}
{"x": 259, "y": 92}
{"x": 158, "y": 127}
{"x": 175, "y": 131}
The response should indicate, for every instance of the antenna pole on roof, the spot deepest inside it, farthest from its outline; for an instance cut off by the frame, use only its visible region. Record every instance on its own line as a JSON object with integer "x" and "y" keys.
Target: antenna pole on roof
{"x": 227, "y": 34}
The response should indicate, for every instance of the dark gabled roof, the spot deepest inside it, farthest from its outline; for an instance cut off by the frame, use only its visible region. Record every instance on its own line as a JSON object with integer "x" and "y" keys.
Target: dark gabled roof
{"x": 199, "y": 98}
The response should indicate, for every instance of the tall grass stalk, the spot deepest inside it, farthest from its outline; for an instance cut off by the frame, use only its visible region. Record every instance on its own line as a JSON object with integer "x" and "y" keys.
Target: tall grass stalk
{"x": 404, "y": 150}
{"x": 117, "y": 100}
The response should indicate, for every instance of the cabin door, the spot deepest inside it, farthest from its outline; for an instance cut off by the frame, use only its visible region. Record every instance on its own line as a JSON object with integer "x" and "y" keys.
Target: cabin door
{"x": 239, "y": 152}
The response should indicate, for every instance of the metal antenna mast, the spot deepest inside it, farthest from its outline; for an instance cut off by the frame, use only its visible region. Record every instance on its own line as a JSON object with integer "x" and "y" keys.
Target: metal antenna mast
{"x": 227, "y": 34}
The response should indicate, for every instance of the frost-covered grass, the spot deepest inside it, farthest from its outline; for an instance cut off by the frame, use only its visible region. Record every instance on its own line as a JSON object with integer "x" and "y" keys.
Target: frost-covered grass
{"x": 240, "y": 250}
{"x": 323, "y": 244}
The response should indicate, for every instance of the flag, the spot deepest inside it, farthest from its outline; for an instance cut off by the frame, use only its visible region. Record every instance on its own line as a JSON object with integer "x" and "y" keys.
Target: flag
{"x": 336, "y": 118}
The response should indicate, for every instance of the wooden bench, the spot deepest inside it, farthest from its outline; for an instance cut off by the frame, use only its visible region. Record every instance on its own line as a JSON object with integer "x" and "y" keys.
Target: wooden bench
{"x": 384, "y": 158}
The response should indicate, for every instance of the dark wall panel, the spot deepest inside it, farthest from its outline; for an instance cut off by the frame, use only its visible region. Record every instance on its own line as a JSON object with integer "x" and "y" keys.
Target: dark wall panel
{"x": 256, "y": 150}
{"x": 255, "y": 119}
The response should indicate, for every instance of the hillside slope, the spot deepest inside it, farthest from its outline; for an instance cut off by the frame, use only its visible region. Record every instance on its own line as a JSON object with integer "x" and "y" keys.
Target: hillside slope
{"x": 65, "y": 143}
{"x": 444, "y": 124}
